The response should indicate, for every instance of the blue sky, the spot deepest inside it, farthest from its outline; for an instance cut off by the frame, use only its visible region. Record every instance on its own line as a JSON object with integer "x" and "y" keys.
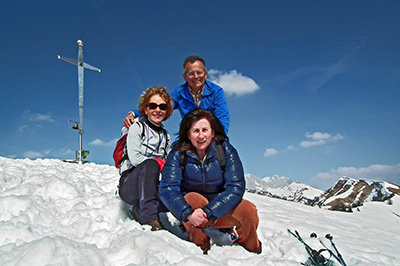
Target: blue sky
{"x": 312, "y": 86}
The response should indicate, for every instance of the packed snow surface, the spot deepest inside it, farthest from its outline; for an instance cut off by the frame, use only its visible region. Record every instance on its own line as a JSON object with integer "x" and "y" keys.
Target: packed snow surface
{"x": 56, "y": 213}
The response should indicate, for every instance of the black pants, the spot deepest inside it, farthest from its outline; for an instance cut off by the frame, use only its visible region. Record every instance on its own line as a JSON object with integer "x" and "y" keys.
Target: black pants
{"x": 140, "y": 188}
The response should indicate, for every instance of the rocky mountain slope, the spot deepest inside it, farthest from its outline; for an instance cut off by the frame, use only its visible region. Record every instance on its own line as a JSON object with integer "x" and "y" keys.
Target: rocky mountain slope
{"x": 349, "y": 193}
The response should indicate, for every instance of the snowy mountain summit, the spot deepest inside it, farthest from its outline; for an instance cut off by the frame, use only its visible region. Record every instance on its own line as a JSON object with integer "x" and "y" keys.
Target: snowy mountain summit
{"x": 349, "y": 193}
{"x": 282, "y": 188}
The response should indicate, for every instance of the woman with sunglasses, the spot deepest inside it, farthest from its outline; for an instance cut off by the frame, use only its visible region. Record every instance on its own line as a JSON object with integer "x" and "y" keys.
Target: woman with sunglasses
{"x": 147, "y": 146}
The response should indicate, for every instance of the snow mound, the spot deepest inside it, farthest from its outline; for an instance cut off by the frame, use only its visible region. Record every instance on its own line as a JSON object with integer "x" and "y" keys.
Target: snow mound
{"x": 56, "y": 213}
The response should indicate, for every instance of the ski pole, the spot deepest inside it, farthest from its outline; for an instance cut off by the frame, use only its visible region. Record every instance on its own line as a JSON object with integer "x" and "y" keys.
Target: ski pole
{"x": 330, "y": 237}
{"x": 311, "y": 252}
{"x": 314, "y": 235}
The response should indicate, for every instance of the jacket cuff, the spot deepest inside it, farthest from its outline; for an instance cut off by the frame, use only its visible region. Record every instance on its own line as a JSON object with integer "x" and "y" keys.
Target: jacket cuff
{"x": 185, "y": 214}
{"x": 210, "y": 216}
{"x": 136, "y": 113}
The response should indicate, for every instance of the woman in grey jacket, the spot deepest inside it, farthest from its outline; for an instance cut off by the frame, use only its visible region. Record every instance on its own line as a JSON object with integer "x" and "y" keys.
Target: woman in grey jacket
{"x": 147, "y": 146}
{"x": 202, "y": 191}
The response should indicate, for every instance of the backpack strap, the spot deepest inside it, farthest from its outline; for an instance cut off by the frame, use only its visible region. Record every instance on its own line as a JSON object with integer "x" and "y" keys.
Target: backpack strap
{"x": 142, "y": 121}
{"x": 182, "y": 160}
{"x": 221, "y": 156}
{"x": 166, "y": 142}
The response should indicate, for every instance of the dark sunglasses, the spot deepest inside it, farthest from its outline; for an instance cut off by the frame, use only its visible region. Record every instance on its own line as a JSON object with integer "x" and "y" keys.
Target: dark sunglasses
{"x": 154, "y": 106}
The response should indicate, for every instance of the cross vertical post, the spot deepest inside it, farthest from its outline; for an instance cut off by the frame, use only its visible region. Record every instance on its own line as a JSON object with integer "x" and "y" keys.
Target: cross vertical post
{"x": 81, "y": 66}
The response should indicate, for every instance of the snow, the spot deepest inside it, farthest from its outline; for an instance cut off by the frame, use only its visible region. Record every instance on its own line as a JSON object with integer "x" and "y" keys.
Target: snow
{"x": 56, "y": 213}
{"x": 282, "y": 187}
{"x": 342, "y": 195}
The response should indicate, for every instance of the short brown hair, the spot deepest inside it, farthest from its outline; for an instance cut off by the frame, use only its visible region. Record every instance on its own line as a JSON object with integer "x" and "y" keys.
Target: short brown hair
{"x": 192, "y": 59}
{"x": 145, "y": 99}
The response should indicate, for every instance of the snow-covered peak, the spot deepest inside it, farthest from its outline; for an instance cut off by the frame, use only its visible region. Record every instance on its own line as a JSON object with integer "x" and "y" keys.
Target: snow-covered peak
{"x": 276, "y": 181}
{"x": 281, "y": 187}
{"x": 349, "y": 193}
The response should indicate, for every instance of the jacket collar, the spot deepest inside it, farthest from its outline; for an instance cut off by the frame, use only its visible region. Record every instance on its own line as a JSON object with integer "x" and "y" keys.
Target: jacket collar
{"x": 186, "y": 93}
{"x": 211, "y": 151}
{"x": 153, "y": 126}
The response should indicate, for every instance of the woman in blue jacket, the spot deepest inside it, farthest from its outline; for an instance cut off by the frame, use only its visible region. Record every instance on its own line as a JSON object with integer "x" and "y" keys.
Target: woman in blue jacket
{"x": 199, "y": 192}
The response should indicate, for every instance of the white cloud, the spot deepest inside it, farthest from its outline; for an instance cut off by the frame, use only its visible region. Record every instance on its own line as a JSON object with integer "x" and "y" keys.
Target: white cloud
{"x": 337, "y": 137}
{"x": 60, "y": 153}
{"x": 291, "y": 147}
{"x": 389, "y": 173}
{"x": 308, "y": 143}
{"x": 314, "y": 139}
{"x": 99, "y": 142}
{"x": 38, "y": 117}
{"x": 63, "y": 152}
{"x": 35, "y": 155}
{"x": 270, "y": 152}
{"x": 233, "y": 82}
{"x": 22, "y": 128}
{"x": 319, "y": 138}
{"x": 318, "y": 135}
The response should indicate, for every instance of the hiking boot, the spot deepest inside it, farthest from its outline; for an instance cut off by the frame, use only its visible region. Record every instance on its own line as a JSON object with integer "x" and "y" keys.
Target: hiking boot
{"x": 155, "y": 225}
{"x": 134, "y": 214}
{"x": 231, "y": 232}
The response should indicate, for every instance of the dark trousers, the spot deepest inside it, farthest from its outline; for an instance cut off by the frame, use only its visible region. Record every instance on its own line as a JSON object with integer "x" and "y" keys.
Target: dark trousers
{"x": 140, "y": 189}
{"x": 244, "y": 216}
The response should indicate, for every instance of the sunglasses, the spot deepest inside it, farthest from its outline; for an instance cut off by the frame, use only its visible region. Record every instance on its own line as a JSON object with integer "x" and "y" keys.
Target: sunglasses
{"x": 154, "y": 106}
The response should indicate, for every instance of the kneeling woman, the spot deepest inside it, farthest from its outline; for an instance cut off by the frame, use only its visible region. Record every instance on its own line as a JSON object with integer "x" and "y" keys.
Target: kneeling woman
{"x": 148, "y": 144}
{"x": 199, "y": 192}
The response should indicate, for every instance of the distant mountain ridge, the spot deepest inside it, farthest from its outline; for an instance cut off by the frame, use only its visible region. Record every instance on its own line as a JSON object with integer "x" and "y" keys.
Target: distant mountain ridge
{"x": 346, "y": 194}
{"x": 282, "y": 188}
{"x": 349, "y": 193}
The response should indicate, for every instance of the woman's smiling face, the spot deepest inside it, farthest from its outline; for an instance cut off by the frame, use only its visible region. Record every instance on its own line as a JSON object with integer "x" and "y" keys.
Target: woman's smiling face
{"x": 201, "y": 134}
{"x": 156, "y": 115}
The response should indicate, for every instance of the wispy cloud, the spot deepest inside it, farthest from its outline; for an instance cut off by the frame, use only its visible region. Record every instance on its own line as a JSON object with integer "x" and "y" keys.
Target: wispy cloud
{"x": 311, "y": 77}
{"x": 312, "y": 140}
{"x": 63, "y": 152}
{"x": 319, "y": 138}
{"x": 325, "y": 74}
{"x": 37, "y": 117}
{"x": 30, "y": 121}
{"x": 60, "y": 153}
{"x": 99, "y": 142}
{"x": 233, "y": 83}
{"x": 22, "y": 128}
{"x": 389, "y": 173}
{"x": 35, "y": 154}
